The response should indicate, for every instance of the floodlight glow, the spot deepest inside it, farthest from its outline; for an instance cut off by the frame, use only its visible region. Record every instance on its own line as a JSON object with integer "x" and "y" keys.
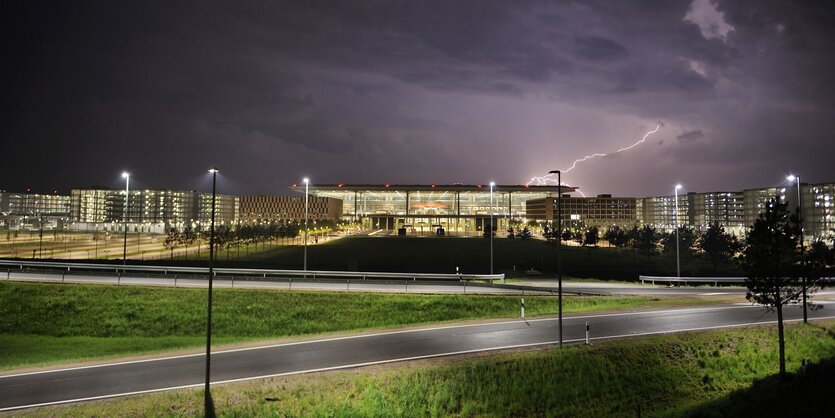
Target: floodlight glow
{"x": 305, "y": 180}
{"x": 125, "y": 174}
{"x": 492, "y": 184}
{"x": 678, "y": 186}
{"x": 214, "y": 170}
{"x": 791, "y": 178}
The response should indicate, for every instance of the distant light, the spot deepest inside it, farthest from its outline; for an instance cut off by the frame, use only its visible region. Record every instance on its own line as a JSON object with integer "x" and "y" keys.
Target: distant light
{"x": 214, "y": 170}
{"x": 305, "y": 180}
{"x": 125, "y": 174}
{"x": 492, "y": 183}
{"x": 791, "y": 177}
{"x": 678, "y": 186}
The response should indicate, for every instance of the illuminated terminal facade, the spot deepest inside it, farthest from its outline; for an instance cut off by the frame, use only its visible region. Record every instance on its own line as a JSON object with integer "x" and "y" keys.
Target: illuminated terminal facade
{"x": 29, "y": 210}
{"x": 456, "y": 209}
{"x": 602, "y": 211}
{"x": 148, "y": 210}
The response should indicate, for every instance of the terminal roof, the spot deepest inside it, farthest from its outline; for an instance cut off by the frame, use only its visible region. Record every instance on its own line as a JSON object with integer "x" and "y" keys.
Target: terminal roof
{"x": 433, "y": 187}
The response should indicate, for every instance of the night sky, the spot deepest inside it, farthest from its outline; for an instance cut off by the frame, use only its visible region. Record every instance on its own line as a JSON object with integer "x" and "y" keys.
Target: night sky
{"x": 416, "y": 92}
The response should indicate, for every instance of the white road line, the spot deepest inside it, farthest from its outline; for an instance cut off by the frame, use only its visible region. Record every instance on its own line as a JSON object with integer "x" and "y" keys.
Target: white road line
{"x": 370, "y": 363}
{"x": 378, "y": 334}
{"x": 714, "y": 294}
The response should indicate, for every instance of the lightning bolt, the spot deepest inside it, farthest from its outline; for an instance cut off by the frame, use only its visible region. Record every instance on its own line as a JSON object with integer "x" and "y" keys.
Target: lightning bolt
{"x": 551, "y": 178}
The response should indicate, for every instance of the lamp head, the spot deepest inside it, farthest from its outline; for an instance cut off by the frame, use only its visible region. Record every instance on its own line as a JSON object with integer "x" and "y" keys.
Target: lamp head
{"x": 678, "y": 186}
{"x": 492, "y": 184}
{"x": 214, "y": 170}
{"x": 791, "y": 177}
{"x": 305, "y": 180}
{"x": 125, "y": 174}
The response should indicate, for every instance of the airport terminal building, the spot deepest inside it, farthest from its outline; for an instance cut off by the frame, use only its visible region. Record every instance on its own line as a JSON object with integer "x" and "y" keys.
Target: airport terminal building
{"x": 457, "y": 209}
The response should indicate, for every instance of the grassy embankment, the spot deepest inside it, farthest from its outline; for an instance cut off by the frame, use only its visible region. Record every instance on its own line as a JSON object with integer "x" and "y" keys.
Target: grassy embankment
{"x": 471, "y": 255}
{"x": 44, "y": 323}
{"x": 692, "y": 374}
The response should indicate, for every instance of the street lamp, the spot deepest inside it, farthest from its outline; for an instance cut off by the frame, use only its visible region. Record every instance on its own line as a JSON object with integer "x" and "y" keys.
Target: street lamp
{"x": 126, "y": 176}
{"x": 206, "y": 396}
{"x": 306, "y": 182}
{"x": 678, "y": 259}
{"x": 559, "y": 246}
{"x": 492, "y": 184}
{"x": 796, "y": 179}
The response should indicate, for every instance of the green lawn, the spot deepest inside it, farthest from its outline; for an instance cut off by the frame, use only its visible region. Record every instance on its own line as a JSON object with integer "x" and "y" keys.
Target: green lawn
{"x": 690, "y": 374}
{"x": 471, "y": 255}
{"x": 43, "y": 323}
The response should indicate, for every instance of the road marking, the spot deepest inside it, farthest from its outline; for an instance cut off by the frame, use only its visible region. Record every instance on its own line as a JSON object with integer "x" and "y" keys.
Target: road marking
{"x": 378, "y": 334}
{"x": 714, "y": 294}
{"x": 402, "y": 359}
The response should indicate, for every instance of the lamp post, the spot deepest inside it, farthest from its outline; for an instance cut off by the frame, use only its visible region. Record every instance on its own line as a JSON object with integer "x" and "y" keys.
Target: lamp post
{"x": 559, "y": 246}
{"x": 126, "y": 176}
{"x": 206, "y": 397}
{"x": 802, "y": 246}
{"x": 675, "y": 217}
{"x": 492, "y": 184}
{"x": 306, "y": 186}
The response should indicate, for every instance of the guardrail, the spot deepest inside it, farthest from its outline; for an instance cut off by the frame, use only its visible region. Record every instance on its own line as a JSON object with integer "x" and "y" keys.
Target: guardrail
{"x": 120, "y": 269}
{"x": 685, "y": 280}
{"x": 715, "y": 280}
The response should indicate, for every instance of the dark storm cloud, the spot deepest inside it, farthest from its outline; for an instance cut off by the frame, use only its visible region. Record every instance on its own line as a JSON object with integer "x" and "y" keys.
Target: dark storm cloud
{"x": 595, "y": 48}
{"x": 691, "y": 135}
{"x": 430, "y": 91}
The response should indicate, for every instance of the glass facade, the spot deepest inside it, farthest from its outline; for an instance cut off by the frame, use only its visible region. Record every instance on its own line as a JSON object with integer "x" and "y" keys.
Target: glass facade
{"x": 457, "y": 209}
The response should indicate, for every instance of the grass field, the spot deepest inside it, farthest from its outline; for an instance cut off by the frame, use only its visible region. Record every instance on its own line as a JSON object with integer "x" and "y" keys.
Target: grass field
{"x": 691, "y": 374}
{"x": 472, "y": 255}
{"x": 43, "y": 323}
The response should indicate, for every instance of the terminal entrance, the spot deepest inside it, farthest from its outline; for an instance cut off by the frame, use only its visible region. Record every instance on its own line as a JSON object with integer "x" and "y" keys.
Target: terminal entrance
{"x": 434, "y": 226}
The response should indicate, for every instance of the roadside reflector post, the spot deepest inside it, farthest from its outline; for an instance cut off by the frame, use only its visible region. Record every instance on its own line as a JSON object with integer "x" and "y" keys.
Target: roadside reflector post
{"x": 523, "y": 308}
{"x": 587, "y": 332}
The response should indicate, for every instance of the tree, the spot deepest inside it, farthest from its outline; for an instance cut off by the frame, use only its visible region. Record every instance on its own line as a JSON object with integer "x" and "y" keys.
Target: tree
{"x": 820, "y": 263}
{"x": 578, "y": 237}
{"x": 617, "y": 237}
{"x": 172, "y": 240}
{"x": 771, "y": 261}
{"x": 591, "y": 237}
{"x": 645, "y": 240}
{"x": 567, "y": 235}
{"x": 686, "y": 239}
{"x": 717, "y": 245}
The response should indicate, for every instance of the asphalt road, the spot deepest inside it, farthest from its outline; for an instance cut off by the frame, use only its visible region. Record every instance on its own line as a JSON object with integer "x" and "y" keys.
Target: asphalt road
{"x": 120, "y": 379}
